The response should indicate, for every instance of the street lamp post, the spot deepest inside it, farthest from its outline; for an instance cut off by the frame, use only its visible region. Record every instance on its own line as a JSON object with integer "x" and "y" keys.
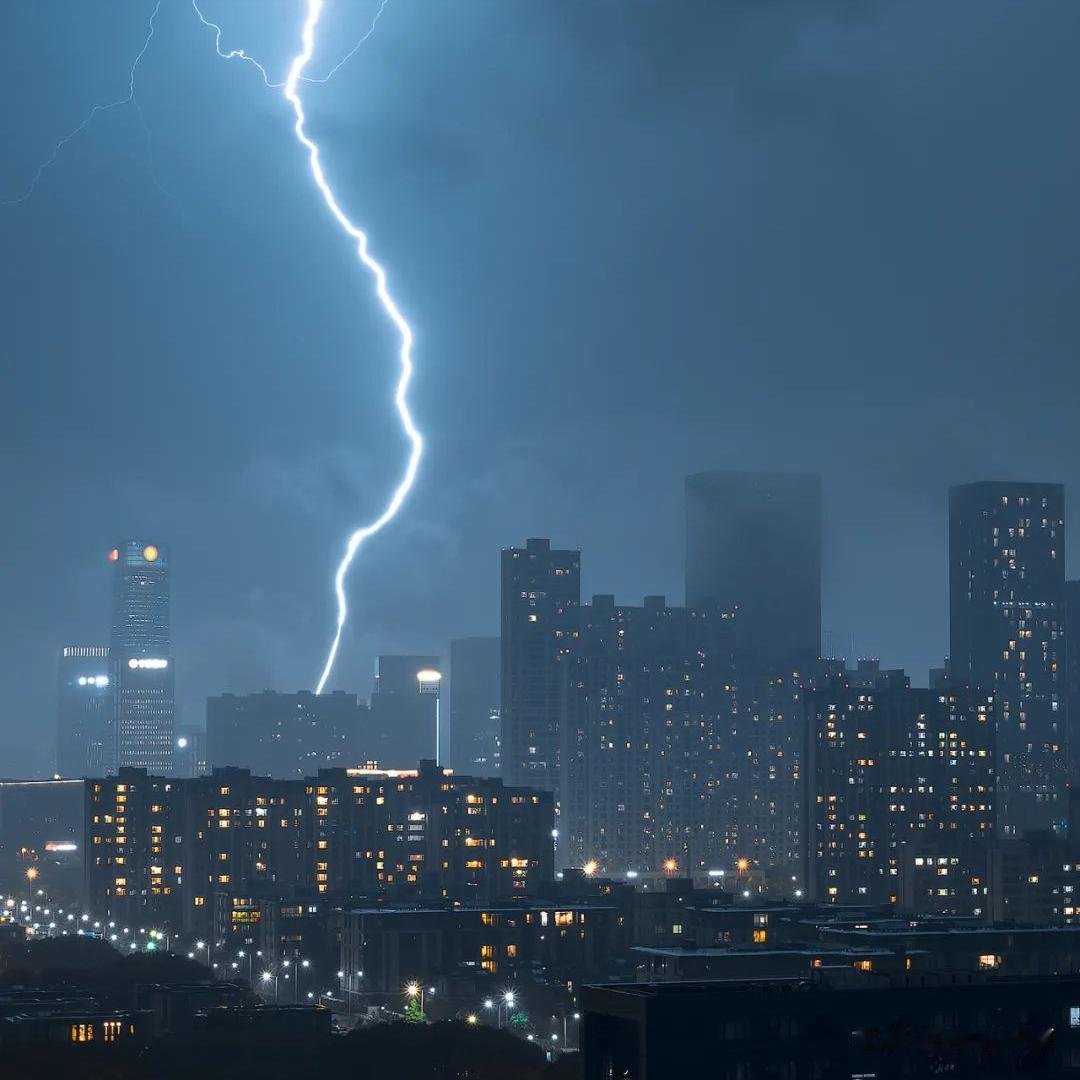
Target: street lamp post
{"x": 266, "y": 977}
{"x": 508, "y": 1001}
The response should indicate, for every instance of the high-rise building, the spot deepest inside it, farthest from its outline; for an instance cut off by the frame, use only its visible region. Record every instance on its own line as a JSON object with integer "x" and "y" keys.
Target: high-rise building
{"x": 83, "y": 711}
{"x": 649, "y": 695}
{"x": 541, "y": 590}
{"x": 753, "y": 546}
{"x": 285, "y": 736}
{"x": 897, "y": 775}
{"x": 406, "y": 712}
{"x": 474, "y": 705}
{"x": 1007, "y": 636}
{"x": 140, "y": 649}
{"x": 1072, "y": 684}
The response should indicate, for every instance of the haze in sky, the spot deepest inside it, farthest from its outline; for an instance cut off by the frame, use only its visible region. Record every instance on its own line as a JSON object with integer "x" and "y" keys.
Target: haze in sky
{"x": 635, "y": 240}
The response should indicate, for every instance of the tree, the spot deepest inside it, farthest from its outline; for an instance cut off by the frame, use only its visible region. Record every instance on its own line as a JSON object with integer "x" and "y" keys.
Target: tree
{"x": 413, "y": 1013}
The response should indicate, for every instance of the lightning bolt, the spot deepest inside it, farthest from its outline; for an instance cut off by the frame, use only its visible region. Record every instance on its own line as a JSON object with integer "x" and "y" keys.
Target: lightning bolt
{"x": 241, "y": 54}
{"x": 127, "y": 99}
{"x": 291, "y": 86}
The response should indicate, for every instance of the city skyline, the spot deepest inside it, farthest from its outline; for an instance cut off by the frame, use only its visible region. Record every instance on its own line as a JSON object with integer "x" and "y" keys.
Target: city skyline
{"x": 862, "y": 322}
{"x": 541, "y": 540}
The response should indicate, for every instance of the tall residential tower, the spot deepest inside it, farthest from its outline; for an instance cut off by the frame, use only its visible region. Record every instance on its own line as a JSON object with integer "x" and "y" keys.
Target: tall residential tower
{"x": 541, "y": 590}
{"x": 1007, "y": 636}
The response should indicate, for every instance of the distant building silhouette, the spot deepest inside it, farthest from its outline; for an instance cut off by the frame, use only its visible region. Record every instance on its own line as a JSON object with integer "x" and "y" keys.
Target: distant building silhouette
{"x": 405, "y": 710}
{"x": 474, "y": 705}
{"x": 84, "y": 710}
{"x": 541, "y": 590}
{"x": 284, "y": 736}
{"x": 753, "y": 544}
{"x": 140, "y": 648}
{"x": 1007, "y": 636}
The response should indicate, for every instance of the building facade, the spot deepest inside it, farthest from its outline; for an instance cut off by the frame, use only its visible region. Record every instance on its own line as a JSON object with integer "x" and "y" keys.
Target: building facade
{"x": 540, "y": 594}
{"x": 895, "y": 774}
{"x": 1007, "y": 636}
{"x": 216, "y": 853}
{"x": 649, "y": 694}
{"x": 140, "y": 649}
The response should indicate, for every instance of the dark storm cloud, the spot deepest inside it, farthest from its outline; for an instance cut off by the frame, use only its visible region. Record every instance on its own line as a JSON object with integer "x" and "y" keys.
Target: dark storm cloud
{"x": 636, "y": 239}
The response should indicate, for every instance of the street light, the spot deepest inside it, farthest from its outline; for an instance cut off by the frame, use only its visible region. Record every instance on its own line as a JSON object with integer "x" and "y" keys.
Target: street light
{"x": 266, "y": 977}
{"x": 414, "y": 991}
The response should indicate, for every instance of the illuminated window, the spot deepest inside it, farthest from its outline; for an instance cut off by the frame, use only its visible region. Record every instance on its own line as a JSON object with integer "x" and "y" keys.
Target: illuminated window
{"x": 760, "y": 937}
{"x": 989, "y": 962}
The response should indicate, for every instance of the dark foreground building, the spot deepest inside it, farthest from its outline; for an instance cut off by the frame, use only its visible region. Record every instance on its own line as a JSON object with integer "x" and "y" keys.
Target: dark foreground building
{"x": 843, "y": 1023}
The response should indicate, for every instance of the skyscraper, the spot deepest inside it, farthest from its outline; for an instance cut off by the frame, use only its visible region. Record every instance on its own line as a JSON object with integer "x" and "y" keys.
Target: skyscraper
{"x": 1007, "y": 636}
{"x": 474, "y": 705}
{"x": 83, "y": 710}
{"x": 541, "y": 590}
{"x": 753, "y": 545}
{"x": 140, "y": 648}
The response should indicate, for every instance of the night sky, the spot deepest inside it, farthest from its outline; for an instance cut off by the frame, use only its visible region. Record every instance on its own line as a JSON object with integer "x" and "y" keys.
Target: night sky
{"x": 635, "y": 238}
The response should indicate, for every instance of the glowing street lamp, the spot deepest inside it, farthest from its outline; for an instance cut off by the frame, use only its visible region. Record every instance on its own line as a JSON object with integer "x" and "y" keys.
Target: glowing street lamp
{"x": 415, "y": 991}
{"x": 266, "y": 977}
